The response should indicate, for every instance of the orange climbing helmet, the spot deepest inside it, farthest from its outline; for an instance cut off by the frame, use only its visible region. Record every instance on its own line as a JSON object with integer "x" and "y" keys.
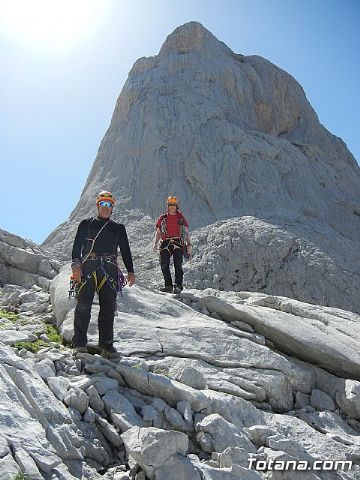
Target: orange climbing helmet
{"x": 172, "y": 201}
{"x": 106, "y": 196}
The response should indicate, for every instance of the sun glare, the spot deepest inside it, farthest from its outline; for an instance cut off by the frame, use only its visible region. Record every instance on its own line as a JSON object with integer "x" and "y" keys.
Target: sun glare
{"x": 49, "y": 23}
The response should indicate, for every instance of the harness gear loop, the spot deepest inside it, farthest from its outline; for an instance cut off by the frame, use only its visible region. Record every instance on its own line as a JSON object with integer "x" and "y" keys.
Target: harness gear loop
{"x": 117, "y": 286}
{"x": 174, "y": 242}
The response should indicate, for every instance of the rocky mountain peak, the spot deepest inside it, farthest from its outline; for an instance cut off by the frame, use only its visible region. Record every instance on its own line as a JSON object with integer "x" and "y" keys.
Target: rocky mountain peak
{"x": 233, "y": 137}
{"x": 191, "y": 37}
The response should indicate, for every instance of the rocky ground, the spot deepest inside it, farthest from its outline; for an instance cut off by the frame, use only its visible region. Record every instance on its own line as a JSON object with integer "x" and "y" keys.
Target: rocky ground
{"x": 206, "y": 380}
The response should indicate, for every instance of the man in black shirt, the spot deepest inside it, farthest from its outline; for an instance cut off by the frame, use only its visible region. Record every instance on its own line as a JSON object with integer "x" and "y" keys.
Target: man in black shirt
{"x": 94, "y": 266}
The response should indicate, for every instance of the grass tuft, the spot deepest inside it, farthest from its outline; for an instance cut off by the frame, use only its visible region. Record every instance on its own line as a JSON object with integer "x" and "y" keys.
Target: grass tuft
{"x": 13, "y": 317}
{"x": 19, "y": 476}
{"x": 35, "y": 346}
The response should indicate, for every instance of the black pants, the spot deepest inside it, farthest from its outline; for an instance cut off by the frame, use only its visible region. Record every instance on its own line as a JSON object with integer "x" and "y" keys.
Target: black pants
{"x": 168, "y": 249}
{"x": 107, "y": 301}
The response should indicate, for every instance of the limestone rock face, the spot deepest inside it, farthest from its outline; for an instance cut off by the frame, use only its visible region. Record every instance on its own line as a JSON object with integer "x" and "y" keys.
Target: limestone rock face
{"x": 24, "y": 263}
{"x": 292, "y": 259}
{"x": 232, "y": 136}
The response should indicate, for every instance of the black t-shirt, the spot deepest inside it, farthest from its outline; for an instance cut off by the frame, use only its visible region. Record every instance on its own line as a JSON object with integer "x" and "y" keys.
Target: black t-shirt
{"x": 112, "y": 236}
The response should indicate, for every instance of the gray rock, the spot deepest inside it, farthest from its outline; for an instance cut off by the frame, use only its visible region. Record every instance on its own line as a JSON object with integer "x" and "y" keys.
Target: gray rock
{"x": 95, "y": 401}
{"x": 81, "y": 382}
{"x": 308, "y": 435}
{"x": 27, "y": 464}
{"x": 10, "y": 337}
{"x": 40, "y": 399}
{"x": 9, "y": 467}
{"x": 332, "y": 425}
{"x": 205, "y": 441}
{"x": 34, "y": 296}
{"x": 10, "y": 294}
{"x": 348, "y": 399}
{"x": 233, "y": 409}
{"x": 140, "y": 476}
{"x": 246, "y": 369}
{"x": 4, "y": 447}
{"x": 171, "y": 391}
{"x": 108, "y": 431}
{"x": 183, "y": 372}
{"x": 59, "y": 385}
{"x": 177, "y": 467}
{"x": 135, "y": 398}
{"x": 104, "y": 384}
{"x": 53, "y": 354}
{"x": 223, "y": 434}
{"x": 96, "y": 449}
{"x": 24, "y": 263}
{"x": 149, "y": 413}
{"x": 77, "y": 398}
{"x": 321, "y": 401}
{"x": 121, "y": 411}
{"x": 59, "y": 295}
{"x": 121, "y": 476}
{"x": 302, "y": 400}
{"x": 209, "y": 472}
{"x": 233, "y": 456}
{"x": 227, "y": 260}
{"x": 75, "y": 414}
{"x": 89, "y": 415}
{"x": 176, "y": 420}
{"x": 62, "y": 438}
{"x": 184, "y": 408}
{"x": 240, "y": 325}
{"x": 159, "y": 404}
{"x": 259, "y": 433}
{"x": 34, "y": 308}
{"x": 151, "y": 447}
{"x": 290, "y": 447}
{"x": 299, "y": 329}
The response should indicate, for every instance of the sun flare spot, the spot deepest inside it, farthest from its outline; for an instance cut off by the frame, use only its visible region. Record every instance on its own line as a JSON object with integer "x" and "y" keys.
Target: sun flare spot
{"x": 49, "y": 23}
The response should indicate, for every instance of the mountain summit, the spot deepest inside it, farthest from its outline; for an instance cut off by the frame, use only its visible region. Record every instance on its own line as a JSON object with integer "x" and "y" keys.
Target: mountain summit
{"x": 231, "y": 136}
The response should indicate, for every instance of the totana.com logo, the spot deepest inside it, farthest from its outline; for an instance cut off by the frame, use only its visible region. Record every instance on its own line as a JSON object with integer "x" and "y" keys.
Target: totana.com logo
{"x": 298, "y": 465}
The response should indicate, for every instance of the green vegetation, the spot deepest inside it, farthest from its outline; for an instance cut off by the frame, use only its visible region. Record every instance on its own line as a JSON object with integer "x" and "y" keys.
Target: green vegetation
{"x": 19, "y": 476}
{"x": 33, "y": 347}
{"x": 13, "y": 317}
{"x": 37, "y": 345}
{"x": 53, "y": 334}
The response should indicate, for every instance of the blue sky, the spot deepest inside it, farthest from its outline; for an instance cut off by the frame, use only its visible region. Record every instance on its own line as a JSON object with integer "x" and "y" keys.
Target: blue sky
{"x": 63, "y": 69}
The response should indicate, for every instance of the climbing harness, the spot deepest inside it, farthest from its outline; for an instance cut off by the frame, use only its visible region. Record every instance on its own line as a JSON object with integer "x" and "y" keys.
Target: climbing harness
{"x": 174, "y": 242}
{"x": 103, "y": 259}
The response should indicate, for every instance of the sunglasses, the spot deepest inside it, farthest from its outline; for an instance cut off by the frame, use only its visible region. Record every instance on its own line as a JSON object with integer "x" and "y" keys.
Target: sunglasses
{"x": 104, "y": 203}
{"x": 172, "y": 204}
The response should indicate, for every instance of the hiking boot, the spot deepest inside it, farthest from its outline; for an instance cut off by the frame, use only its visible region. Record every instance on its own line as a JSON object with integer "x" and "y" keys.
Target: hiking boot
{"x": 167, "y": 289}
{"x": 109, "y": 351}
{"x": 77, "y": 350}
{"x": 178, "y": 288}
